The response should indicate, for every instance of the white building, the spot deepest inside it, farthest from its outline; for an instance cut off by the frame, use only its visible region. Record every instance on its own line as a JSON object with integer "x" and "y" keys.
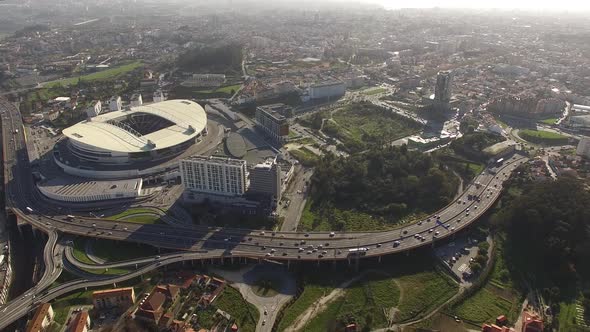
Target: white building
{"x": 331, "y": 89}
{"x": 94, "y": 109}
{"x": 159, "y": 96}
{"x": 584, "y": 147}
{"x": 214, "y": 175}
{"x": 136, "y": 100}
{"x": 115, "y": 104}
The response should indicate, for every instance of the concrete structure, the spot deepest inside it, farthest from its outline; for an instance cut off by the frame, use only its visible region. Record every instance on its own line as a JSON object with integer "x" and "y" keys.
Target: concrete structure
{"x": 144, "y": 133}
{"x": 136, "y": 100}
{"x": 81, "y": 190}
{"x": 581, "y": 122}
{"x": 205, "y": 81}
{"x": 159, "y": 96}
{"x": 214, "y": 175}
{"x": 81, "y": 323}
{"x": 115, "y": 104}
{"x": 442, "y": 91}
{"x": 332, "y": 89}
{"x": 583, "y": 148}
{"x": 42, "y": 318}
{"x": 273, "y": 124}
{"x": 121, "y": 298}
{"x": 94, "y": 109}
{"x": 265, "y": 179}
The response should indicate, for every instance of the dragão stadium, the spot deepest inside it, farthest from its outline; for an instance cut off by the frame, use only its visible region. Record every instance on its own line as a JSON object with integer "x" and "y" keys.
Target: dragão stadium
{"x": 132, "y": 142}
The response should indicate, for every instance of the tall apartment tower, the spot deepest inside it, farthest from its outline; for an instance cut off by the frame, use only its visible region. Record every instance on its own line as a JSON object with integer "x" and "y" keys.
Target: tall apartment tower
{"x": 214, "y": 175}
{"x": 265, "y": 179}
{"x": 442, "y": 91}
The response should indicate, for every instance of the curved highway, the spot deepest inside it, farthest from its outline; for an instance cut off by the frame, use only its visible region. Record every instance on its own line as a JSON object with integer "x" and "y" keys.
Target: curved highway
{"x": 23, "y": 199}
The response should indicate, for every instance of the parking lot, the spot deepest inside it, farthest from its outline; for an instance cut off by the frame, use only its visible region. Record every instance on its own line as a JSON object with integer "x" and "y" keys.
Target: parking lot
{"x": 457, "y": 255}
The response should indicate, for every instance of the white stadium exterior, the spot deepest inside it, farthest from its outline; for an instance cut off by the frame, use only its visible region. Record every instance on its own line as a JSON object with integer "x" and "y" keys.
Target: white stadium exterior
{"x": 144, "y": 133}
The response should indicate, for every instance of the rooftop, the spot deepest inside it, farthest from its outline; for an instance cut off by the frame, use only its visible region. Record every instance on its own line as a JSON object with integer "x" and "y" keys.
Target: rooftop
{"x": 83, "y": 187}
{"x": 108, "y": 132}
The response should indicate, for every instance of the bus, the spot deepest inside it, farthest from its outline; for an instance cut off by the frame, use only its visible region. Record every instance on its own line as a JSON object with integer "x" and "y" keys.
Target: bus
{"x": 29, "y": 209}
{"x": 499, "y": 161}
{"x": 69, "y": 217}
{"x": 358, "y": 251}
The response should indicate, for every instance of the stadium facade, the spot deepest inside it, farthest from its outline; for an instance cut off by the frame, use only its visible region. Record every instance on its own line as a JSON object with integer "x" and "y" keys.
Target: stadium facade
{"x": 143, "y": 133}
{"x": 134, "y": 142}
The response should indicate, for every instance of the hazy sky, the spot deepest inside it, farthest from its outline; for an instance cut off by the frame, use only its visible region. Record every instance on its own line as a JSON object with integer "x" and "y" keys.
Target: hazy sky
{"x": 525, "y": 4}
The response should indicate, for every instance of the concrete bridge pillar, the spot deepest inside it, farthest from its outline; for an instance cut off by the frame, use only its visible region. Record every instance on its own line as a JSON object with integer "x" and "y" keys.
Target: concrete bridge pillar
{"x": 232, "y": 261}
{"x": 379, "y": 259}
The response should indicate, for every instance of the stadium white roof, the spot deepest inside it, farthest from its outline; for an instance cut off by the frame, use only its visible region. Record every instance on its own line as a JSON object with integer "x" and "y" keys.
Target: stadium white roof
{"x": 103, "y": 133}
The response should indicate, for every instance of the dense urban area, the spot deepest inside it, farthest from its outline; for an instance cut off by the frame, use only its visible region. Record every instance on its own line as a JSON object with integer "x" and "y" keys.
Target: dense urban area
{"x": 284, "y": 166}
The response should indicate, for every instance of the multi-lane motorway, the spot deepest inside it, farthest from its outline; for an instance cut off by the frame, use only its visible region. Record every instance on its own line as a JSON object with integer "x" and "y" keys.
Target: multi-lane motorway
{"x": 24, "y": 200}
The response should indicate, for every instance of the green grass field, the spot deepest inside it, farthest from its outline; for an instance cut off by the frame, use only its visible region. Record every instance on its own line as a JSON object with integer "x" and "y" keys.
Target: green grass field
{"x": 358, "y": 125}
{"x": 138, "y": 215}
{"x": 103, "y": 75}
{"x": 62, "y": 305}
{"x": 487, "y": 304}
{"x": 224, "y": 89}
{"x": 316, "y": 286}
{"x": 80, "y": 254}
{"x": 549, "y": 121}
{"x": 245, "y": 314}
{"x": 542, "y": 137}
{"x": 305, "y": 156}
{"x": 365, "y": 303}
{"x": 374, "y": 91}
{"x": 422, "y": 292}
{"x": 410, "y": 284}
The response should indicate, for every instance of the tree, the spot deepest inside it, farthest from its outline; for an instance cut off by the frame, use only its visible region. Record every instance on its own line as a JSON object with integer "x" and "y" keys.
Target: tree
{"x": 475, "y": 267}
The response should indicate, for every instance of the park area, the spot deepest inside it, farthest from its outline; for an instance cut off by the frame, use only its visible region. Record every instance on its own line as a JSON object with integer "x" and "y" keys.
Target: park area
{"x": 372, "y": 299}
{"x": 361, "y": 125}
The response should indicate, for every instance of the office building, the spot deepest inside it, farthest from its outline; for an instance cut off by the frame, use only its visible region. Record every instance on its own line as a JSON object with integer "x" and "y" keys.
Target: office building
{"x": 442, "y": 91}
{"x": 214, "y": 175}
{"x": 583, "y": 148}
{"x": 265, "y": 179}
{"x": 94, "y": 109}
{"x": 42, "y": 318}
{"x": 115, "y": 104}
{"x": 122, "y": 298}
{"x": 136, "y": 100}
{"x": 273, "y": 124}
{"x": 327, "y": 90}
